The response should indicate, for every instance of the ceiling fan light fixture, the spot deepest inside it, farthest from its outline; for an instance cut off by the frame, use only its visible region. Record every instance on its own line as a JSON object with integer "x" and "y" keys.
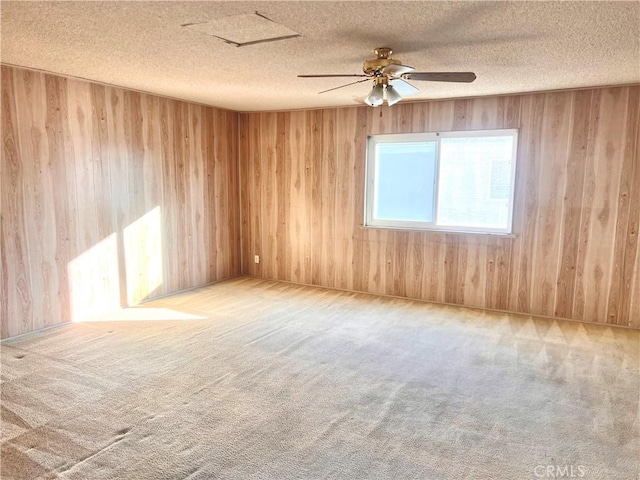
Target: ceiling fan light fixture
{"x": 376, "y": 96}
{"x": 393, "y": 96}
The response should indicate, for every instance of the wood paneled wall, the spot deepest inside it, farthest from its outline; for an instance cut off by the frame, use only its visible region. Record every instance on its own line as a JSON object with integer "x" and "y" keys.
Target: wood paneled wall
{"x": 109, "y": 197}
{"x": 577, "y": 211}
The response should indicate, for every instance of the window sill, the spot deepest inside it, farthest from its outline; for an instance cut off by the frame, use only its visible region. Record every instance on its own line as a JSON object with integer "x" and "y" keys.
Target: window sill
{"x": 433, "y": 230}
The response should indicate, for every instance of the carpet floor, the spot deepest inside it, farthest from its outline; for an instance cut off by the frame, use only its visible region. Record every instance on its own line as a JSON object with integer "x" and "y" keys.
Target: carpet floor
{"x": 253, "y": 379}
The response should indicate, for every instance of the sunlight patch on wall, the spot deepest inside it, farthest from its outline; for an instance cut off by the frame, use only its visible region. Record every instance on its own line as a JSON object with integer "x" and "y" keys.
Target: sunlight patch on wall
{"x": 143, "y": 256}
{"x": 93, "y": 280}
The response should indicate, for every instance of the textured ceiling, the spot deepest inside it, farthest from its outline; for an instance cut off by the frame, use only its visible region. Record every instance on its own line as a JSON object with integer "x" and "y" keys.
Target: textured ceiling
{"x": 511, "y": 46}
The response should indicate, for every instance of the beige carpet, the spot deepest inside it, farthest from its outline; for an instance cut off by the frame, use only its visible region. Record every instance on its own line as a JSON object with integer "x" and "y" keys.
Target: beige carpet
{"x": 257, "y": 379}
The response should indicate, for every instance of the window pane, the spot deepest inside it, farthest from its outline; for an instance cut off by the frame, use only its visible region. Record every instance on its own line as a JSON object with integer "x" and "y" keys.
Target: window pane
{"x": 475, "y": 182}
{"x": 404, "y": 181}
{"x": 500, "y": 180}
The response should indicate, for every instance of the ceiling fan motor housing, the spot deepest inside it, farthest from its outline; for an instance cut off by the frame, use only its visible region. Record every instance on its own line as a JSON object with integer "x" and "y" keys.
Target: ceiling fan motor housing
{"x": 383, "y": 59}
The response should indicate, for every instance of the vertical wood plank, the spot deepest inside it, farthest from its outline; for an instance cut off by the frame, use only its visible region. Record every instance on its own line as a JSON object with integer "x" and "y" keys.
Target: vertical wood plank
{"x": 314, "y": 155}
{"x": 554, "y": 143}
{"x": 573, "y": 189}
{"x": 283, "y": 182}
{"x": 170, "y": 200}
{"x": 626, "y": 223}
{"x": 245, "y": 192}
{"x": 36, "y": 209}
{"x": 328, "y": 199}
{"x": 605, "y": 166}
{"x": 16, "y": 274}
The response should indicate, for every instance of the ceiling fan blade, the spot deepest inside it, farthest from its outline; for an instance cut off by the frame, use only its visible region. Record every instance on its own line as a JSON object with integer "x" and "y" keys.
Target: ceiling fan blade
{"x": 464, "y": 77}
{"x": 397, "y": 70}
{"x": 334, "y": 75}
{"x": 342, "y": 86}
{"x": 403, "y": 88}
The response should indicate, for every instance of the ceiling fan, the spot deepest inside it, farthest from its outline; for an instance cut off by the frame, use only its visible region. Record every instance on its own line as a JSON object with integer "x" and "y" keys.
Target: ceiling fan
{"x": 390, "y": 78}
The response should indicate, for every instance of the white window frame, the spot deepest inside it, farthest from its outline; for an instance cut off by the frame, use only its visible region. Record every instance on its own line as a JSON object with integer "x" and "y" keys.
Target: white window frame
{"x": 374, "y": 140}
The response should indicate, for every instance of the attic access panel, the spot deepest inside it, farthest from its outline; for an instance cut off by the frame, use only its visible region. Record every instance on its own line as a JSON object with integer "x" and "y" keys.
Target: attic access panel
{"x": 246, "y": 29}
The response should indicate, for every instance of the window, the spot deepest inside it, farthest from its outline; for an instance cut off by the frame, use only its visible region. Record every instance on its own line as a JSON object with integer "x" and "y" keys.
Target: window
{"x": 449, "y": 181}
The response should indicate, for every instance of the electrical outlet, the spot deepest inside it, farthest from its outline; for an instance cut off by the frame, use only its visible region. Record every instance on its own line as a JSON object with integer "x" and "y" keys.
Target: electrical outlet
{"x": 256, "y": 259}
